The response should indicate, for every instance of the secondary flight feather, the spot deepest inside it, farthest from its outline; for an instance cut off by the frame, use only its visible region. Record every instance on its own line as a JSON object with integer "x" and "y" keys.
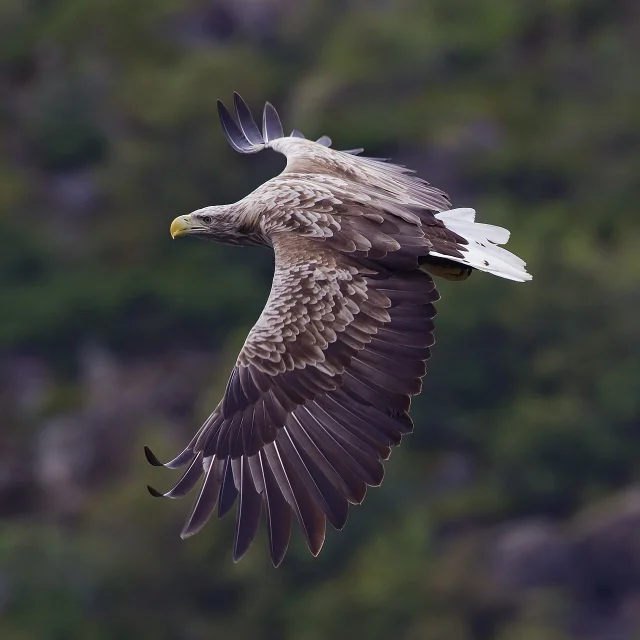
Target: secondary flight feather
{"x": 321, "y": 390}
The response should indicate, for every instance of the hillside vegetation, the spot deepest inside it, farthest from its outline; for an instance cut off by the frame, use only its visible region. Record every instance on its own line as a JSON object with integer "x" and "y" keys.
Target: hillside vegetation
{"x": 511, "y": 512}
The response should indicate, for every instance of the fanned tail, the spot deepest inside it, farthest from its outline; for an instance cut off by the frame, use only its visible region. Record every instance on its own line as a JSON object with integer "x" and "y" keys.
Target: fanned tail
{"x": 482, "y": 251}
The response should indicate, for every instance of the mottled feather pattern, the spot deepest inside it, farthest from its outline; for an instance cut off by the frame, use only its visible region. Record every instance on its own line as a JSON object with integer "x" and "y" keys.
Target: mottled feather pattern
{"x": 311, "y": 301}
{"x": 321, "y": 390}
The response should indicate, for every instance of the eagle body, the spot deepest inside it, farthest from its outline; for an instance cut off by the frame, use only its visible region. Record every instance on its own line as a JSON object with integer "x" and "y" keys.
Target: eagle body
{"x": 321, "y": 389}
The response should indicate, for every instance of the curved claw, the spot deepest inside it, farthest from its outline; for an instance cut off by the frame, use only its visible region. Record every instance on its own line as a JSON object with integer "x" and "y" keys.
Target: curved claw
{"x": 246, "y": 121}
{"x": 353, "y": 152}
{"x": 154, "y": 492}
{"x": 297, "y": 134}
{"x": 325, "y": 141}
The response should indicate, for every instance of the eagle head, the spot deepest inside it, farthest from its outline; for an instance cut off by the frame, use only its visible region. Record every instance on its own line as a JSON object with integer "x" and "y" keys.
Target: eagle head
{"x": 219, "y": 224}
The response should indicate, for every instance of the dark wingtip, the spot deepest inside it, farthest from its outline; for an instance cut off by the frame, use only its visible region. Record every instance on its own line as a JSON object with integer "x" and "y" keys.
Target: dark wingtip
{"x": 221, "y": 110}
{"x": 179, "y": 461}
{"x": 276, "y": 560}
{"x": 154, "y": 492}
{"x": 192, "y": 527}
{"x": 151, "y": 458}
{"x": 246, "y": 121}
{"x": 185, "y": 533}
{"x": 236, "y": 137}
{"x": 238, "y": 554}
{"x": 271, "y": 125}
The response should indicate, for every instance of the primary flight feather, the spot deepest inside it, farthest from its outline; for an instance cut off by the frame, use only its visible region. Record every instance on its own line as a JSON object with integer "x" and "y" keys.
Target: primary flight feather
{"x": 321, "y": 389}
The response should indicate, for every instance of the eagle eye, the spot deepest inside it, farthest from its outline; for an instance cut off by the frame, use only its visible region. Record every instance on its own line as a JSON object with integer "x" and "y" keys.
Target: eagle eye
{"x": 206, "y": 219}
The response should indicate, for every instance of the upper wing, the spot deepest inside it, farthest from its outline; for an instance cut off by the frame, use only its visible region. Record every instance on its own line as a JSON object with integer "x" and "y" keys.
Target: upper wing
{"x": 453, "y": 234}
{"x": 306, "y": 156}
{"x": 318, "y": 396}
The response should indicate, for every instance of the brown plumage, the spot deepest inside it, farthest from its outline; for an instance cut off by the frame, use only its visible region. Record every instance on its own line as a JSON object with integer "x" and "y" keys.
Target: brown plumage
{"x": 321, "y": 389}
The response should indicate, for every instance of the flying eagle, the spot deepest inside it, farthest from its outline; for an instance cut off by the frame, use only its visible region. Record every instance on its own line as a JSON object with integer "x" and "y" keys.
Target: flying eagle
{"x": 321, "y": 389}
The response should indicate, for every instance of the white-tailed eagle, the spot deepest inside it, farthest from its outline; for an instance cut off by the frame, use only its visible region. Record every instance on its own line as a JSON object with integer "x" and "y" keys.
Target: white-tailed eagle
{"x": 321, "y": 390}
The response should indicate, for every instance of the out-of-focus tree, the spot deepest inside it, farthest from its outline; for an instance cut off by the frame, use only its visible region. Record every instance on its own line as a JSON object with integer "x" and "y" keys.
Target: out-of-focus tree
{"x": 530, "y": 112}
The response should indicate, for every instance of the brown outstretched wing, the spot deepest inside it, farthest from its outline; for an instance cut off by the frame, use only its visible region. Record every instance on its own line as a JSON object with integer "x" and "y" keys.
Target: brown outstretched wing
{"x": 319, "y": 395}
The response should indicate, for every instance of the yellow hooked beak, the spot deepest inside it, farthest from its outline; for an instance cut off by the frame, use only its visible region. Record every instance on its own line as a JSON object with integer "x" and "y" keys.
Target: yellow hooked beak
{"x": 180, "y": 226}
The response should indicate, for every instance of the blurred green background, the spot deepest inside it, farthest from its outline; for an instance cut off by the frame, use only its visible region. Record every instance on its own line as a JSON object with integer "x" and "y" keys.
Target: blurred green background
{"x": 513, "y": 512}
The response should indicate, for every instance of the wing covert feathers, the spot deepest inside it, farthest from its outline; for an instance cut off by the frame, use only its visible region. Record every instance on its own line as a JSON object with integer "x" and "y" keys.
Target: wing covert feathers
{"x": 307, "y": 441}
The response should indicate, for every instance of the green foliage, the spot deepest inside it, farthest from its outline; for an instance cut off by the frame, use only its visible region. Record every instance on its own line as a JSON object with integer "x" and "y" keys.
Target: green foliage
{"x": 527, "y": 111}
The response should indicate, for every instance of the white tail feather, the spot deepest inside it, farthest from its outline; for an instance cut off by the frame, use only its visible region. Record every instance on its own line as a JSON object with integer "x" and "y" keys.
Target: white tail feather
{"x": 483, "y": 252}
{"x": 463, "y": 214}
